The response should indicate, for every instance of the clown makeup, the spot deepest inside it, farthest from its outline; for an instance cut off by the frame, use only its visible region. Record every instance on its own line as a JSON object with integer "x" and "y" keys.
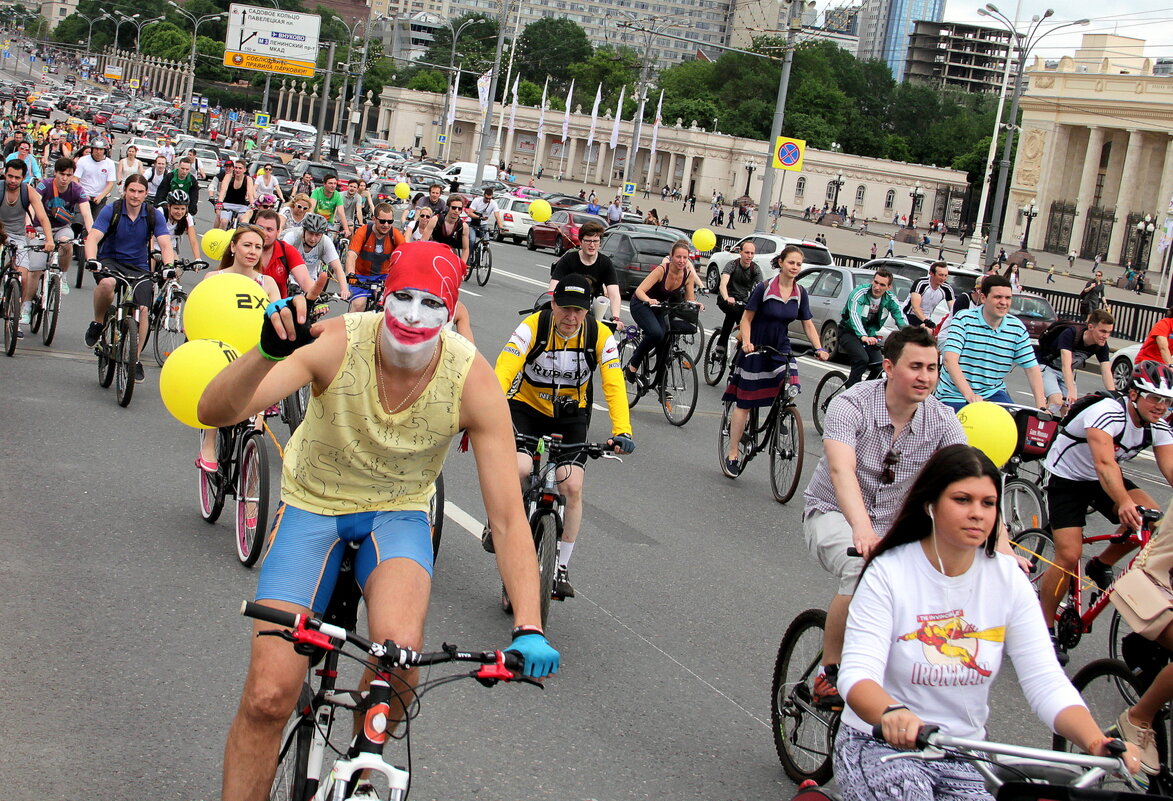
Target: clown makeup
{"x": 412, "y": 322}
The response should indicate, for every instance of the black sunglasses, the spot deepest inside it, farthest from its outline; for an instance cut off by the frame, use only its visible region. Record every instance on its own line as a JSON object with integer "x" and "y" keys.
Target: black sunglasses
{"x": 890, "y": 461}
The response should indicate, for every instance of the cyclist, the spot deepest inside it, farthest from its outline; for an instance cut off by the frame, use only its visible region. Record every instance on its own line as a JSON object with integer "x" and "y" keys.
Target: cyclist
{"x": 182, "y": 178}
{"x": 738, "y": 279}
{"x": 419, "y": 228}
{"x": 370, "y": 252}
{"x": 877, "y": 435}
{"x": 327, "y": 201}
{"x": 280, "y": 260}
{"x": 451, "y": 229}
{"x": 155, "y": 176}
{"x": 545, "y": 370}
{"x": 19, "y": 202}
{"x": 181, "y": 221}
{"x": 982, "y": 345}
{"x": 317, "y": 251}
{"x": 235, "y": 196}
{"x": 96, "y": 173}
{"x": 433, "y": 201}
{"x": 267, "y": 184}
{"x": 757, "y": 377}
{"x": 1158, "y": 342}
{"x": 927, "y": 294}
{"x": 67, "y": 207}
{"x": 935, "y": 611}
{"x": 295, "y": 213}
{"x": 480, "y": 211}
{"x": 596, "y": 266}
{"x": 352, "y": 203}
{"x": 409, "y": 388}
{"x": 24, "y": 152}
{"x": 1065, "y": 347}
{"x": 122, "y": 244}
{"x": 859, "y": 327}
{"x": 1084, "y": 463}
{"x": 671, "y": 283}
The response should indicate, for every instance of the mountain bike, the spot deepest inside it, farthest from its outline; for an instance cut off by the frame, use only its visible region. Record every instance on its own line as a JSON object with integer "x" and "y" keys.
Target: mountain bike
{"x": 1024, "y": 504}
{"x": 545, "y": 506}
{"x": 718, "y": 356}
{"x": 242, "y": 472}
{"x": 310, "y": 740}
{"x": 804, "y": 734}
{"x": 11, "y": 293}
{"x": 117, "y": 347}
{"x": 674, "y": 374}
{"x": 46, "y": 303}
{"x": 780, "y": 432}
{"x": 480, "y": 260}
{"x": 166, "y": 326}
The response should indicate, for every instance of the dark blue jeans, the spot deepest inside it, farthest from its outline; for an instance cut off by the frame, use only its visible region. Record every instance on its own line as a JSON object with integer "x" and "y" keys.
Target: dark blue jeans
{"x": 653, "y": 321}
{"x": 863, "y": 358}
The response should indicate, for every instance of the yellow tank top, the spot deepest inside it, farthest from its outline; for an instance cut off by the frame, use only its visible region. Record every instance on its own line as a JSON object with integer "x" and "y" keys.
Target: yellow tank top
{"x": 349, "y": 455}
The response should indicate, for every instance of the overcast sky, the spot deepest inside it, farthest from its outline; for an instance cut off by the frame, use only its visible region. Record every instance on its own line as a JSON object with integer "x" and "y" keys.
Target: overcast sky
{"x": 1151, "y": 20}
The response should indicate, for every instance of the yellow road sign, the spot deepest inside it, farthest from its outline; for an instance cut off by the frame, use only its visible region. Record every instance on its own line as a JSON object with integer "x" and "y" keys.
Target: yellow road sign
{"x": 789, "y": 153}
{"x": 281, "y": 66}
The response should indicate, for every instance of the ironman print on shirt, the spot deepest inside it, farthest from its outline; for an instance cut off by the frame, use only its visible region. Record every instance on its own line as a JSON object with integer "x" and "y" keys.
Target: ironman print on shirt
{"x": 951, "y": 648}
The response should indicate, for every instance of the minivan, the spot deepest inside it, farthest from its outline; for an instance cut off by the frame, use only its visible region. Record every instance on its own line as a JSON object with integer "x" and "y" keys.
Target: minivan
{"x": 464, "y": 172}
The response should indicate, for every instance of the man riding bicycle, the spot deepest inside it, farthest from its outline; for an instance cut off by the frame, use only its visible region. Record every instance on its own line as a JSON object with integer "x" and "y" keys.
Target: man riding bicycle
{"x": 67, "y": 206}
{"x": 317, "y": 251}
{"x": 738, "y": 279}
{"x": 1084, "y": 463}
{"x": 19, "y": 201}
{"x": 927, "y": 294}
{"x": 370, "y": 252}
{"x": 480, "y": 211}
{"x": 546, "y": 370}
{"x": 859, "y": 327}
{"x": 391, "y": 391}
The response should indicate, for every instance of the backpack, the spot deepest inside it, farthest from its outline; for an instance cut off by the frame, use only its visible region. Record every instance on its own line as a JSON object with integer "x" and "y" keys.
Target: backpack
{"x": 116, "y": 215}
{"x": 546, "y": 326}
{"x": 58, "y": 212}
{"x": 1046, "y": 350}
{"x": 1083, "y": 403}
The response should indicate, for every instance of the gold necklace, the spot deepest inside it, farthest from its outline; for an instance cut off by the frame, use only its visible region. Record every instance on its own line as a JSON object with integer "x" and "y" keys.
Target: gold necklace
{"x": 379, "y": 374}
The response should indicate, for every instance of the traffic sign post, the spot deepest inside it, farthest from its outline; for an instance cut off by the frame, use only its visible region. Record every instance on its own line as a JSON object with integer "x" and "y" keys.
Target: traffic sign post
{"x": 134, "y": 84}
{"x": 789, "y": 153}
{"x": 272, "y": 40}
{"x": 442, "y": 139}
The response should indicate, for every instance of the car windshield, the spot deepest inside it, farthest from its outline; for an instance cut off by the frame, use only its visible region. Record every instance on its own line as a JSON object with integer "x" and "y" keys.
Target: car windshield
{"x": 814, "y": 257}
{"x": 963, "y": 283}
{"x": 205, "y": 154}
{"x": 901, "y": 286}
{"x": 1032, "y": 308}
{"x": 650, "y": 246}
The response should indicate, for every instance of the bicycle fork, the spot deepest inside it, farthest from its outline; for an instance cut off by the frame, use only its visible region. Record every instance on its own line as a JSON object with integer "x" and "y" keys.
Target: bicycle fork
{"x": 367, "y": 751}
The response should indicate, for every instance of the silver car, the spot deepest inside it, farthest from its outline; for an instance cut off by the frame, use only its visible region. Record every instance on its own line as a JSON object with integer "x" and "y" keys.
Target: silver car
{"x": 827, "y": 289}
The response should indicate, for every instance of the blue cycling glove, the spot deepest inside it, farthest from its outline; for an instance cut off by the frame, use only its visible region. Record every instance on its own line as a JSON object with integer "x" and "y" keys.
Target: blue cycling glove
{"x": 540, "y": 657}
{"x": 273, "y": 347}
{"x": 623, "y": 442}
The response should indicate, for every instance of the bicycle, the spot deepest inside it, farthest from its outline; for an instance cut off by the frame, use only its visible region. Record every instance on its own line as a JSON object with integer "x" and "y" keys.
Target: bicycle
{"x": 166, "y": 322}
{"x": 373, "y": 283}
{"x": 674, "y": 376}
{"x": 1024, "y": 506}
{"x": 294, "y": 405}
{"x": 714, "y": 362}
{"x": 804, "y": 734}
{"x": 480, "y": 260}
{"x": 303, "y": 771}
{"x": 46, "y": 303}
{"x": 242, "y": 472}
{"x": 117, "y": 347}
{"x": 11, "y": 293}
{"x": 545, "y": 504}
{"x": 780, "y": 432}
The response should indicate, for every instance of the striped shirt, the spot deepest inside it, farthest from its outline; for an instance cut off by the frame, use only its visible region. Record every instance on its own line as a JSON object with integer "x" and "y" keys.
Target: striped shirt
{"x": 930, "y": 298}
{"x": 987, "y": 354}
{"x": 859, "y": 417}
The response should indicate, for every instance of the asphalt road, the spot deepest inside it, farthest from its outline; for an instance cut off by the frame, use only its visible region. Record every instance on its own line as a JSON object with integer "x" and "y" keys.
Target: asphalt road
{"x": 126, "y": 652}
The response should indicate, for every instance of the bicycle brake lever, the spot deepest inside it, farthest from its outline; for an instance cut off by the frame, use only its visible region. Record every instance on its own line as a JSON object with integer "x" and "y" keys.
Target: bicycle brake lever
{"x": 608, "y": 455}
{"x": 284, "y": 634}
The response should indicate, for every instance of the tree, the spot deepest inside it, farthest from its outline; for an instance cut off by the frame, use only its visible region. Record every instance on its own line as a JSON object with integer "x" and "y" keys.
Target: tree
{"x": 165, "y": 40}
{"x": 612, "y": 67}
{"x": 210, "y": 60}
{"x": 428, "y": 81}
{"x": 551, "y": 46}
{"x": 474, "y": 49}
{"x": 529, "y": 94}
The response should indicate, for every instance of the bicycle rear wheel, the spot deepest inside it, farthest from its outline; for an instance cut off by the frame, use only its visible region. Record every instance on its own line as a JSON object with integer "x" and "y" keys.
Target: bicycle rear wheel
{"x": 1037, "y": 546}
{"x": 484, "y": 266}
{"x": 803, "y": 734}
{"x": 252, "y": 498}
{"x": 169, "y": 333}
{"x": 1023, "y": 505}
{"x": 81, "y": 271}
{"x": 714, "y": 367}
{"x": 293, "y": 408}
{"x": 211, "y": 488}
{"x": 829, "y": 386}
{"x": 289, "y": 783}
{"x": 11, "y": 315}
{"x": 126, "y": 358}
{"x": 107, "y": 350}
{"x": 679, "y": 388}
{"x": 786, "y": 451}
{"x": 627, "y": 346}
{"x": 52, "y": 309}
{"x": 36, "y": 313}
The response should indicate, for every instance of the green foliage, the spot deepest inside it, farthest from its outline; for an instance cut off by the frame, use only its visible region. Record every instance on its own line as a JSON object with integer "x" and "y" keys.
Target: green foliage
{"x": 165, "y": 40}
{"x": 551, "y": 46}
{"x": 474, "y": 48}
{"x": 210, "y": 60}
{"x": 528, "y": 94}
{"x": 610, "y": 66}
{"x": 428, "y": 81}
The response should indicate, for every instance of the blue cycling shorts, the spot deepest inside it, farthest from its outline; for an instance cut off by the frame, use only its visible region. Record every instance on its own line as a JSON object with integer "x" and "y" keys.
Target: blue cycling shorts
{"x": 306, "y": 551}
{"x": 363, "y": 288}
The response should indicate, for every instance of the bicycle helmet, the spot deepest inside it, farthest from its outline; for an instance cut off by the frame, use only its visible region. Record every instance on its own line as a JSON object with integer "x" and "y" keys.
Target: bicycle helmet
{"x": 177, "y": 197}
{"x": 101, "y": 142}
{"x": 314, "y": 224}
{"x": 1153, "y": 377}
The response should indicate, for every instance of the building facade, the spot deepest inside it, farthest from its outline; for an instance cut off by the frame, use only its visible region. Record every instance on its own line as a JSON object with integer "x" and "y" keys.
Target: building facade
{"x": 1096, "y": 153}
{"x": 954, "y": 55}
{"x": 687, "y": 156}
{"x": 57, "y": 10}
{"x": 885, "y": 27}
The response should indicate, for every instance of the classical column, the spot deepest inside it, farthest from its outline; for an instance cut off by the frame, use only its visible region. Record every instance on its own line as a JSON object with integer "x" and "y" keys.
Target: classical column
{"x": 540, "y": 148}
{"x": 300, "y": 101}
{"x": 1165, "y": 190}
{"x": 1087, "y": 183}
{"x": 670, "y": 175}
{"x": 571, "y": 154}
{"x": 684, "y": 181}
{"x": 602, "y": 163}
{"x": 1126, "y": 199}
{"x": 314, "y": 100}
{"x": 338, "y": 111}
{"x": 507, "y": 153}
{"x": 366, "y": 113}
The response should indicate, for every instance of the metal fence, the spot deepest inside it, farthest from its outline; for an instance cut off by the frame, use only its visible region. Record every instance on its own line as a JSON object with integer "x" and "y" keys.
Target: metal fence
{"x": 1133, "y": 320}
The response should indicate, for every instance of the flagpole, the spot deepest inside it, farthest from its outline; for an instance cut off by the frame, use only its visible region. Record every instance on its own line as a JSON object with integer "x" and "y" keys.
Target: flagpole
{"x": 655, "y": 136}
{"x": 541, "y": 137}
{"x": 566, "y": 130}
{"x": 496, "y": 157}
{"x": 614, "y": 143}
{"x": 594, "y": 125}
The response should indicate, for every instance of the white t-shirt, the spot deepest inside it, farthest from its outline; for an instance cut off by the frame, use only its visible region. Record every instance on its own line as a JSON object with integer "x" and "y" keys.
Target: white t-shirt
{"x": 936, "y": 642}
{"x": 1071, "y": 459}
{"x": 320, "y": 255}
{"x": 486, "y": 210}
{"x": 94, "y": 175}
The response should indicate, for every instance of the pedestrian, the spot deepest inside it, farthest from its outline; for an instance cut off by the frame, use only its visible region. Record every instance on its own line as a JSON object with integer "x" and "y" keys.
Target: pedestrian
{"x": 1071, "y": 259}
{"x": 692, "y": 202}
{"x": 1001, "y": 256}
{"x": 731, "y": 216}
{"x": 873, "y": 250}
{"x": 1051, "y": 275}
{"x": 716, "y": 215}
{"x": 1140, "y": 282}
{"x": 1091, "y": 297}
{"x": 891, "y": 247}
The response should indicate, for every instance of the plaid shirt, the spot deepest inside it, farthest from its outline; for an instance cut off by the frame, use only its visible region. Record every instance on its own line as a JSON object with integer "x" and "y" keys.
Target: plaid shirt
{"x": 859, "y": 417}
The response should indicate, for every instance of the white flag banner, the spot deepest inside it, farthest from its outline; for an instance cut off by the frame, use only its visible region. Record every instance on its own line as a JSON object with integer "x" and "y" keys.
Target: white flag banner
{"x": 542, "y": 111}
{"x": 513, "y": 108}
{"x": 483, "y": 89}
{"x": 618, "y": 116}
{"x": 452, "y": 100}
{"x": 656, "y": 127}
{"x": 594, "y": 119}
{"x": 566, "y": 116}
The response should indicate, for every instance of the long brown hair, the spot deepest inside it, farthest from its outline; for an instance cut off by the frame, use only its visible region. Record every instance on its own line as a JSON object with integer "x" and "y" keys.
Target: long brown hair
{"x": 229, "y": 258}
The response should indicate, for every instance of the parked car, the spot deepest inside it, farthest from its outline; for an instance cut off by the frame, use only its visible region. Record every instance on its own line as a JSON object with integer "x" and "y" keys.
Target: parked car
{"x": 642, "y": 226}
{"x": 118, "y": 123}
{"x": 560, "y": 231}
{"x": 828, "y": 287}
{"x": 768, "y": 246}
{"x": 515, "y": 219}
{"x": 1035, "y": 312}
{"x": 317, "y": 169}
{"x": 635, "y": 254}
{"x": 1123, "y": 361}
{"x": 147, "y": 148}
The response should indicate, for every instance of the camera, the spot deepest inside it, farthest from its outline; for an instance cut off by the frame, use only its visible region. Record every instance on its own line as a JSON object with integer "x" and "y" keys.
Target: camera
{"x": 565, "y": 407}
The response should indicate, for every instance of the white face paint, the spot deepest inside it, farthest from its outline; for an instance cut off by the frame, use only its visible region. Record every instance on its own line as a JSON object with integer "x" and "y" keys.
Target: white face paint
{"x": 412, "y": 322}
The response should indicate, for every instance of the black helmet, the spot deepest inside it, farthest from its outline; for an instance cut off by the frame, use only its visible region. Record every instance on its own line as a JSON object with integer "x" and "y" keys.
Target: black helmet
{"x": 177, "y": 197}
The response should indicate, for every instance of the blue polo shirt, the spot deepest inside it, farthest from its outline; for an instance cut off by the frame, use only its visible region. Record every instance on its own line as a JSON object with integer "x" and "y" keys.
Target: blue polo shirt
{"x": 985, "y": 354}
{"x": 130, "y": 242}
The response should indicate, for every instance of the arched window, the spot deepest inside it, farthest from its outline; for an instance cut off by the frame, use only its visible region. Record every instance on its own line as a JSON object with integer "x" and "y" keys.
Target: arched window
{"x": 860, "y": 193}
{"x": 831, "y": 190}
{"x": 890, "y": 200}
{"x": 800, "y": 188}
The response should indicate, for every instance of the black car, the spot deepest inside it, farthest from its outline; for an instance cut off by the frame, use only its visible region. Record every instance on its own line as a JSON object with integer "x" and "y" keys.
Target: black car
{"x": 39, "y": 108}
{"x": 635, "y": 254}
{"x": 118, "y": 123}
{"x": 319, "y": 170}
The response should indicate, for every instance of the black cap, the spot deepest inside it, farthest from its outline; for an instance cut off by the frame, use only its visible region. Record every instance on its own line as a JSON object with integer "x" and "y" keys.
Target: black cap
{"x": 574, "y": 291}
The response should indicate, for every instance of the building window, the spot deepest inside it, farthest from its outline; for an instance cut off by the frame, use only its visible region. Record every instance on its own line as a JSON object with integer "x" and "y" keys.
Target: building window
{"x": 890, "y": 200}
{"x": 800, "y": 188}
{"x": 860, "y": 193}
{"x": 830, "y": 190}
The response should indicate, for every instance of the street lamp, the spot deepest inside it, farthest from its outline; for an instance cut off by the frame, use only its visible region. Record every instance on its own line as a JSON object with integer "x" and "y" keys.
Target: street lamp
{"x": 838, "y": 184}
{"x": 356, "y": 99}
{"x": 749, "y": 168}
{"x": 195, "y": 26}
{"x": 90, "y": 35}
{"x": 448, "y": 98}
{"x": 1029, "y": 211}
{"x": 1144, "y": 231}
{"x": 138, "y": 32}
{"x": 917, "y": 194}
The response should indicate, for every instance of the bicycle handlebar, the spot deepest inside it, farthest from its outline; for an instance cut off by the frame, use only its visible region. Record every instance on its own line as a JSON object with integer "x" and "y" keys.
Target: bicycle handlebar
{"x": 595, "y": 450}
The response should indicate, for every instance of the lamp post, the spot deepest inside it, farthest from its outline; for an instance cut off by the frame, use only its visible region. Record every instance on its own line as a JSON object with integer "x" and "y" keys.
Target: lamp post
{"x": 1029, "y": 211}
{"x": 750, "y": 166}
{"x": 195, "y": 26}
{"x": 448, "y": 98}
{"x": 917, "y": 194}
{"x": 838, "y": 184}
{"x": 1144, "y": 231}
{"x": 138, "y": 32}
{"x": 356, "y": 99}
{"x": 90, "y": 35}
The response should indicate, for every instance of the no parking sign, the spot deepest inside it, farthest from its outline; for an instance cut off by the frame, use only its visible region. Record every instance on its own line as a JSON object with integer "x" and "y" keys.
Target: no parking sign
{"x": 788, "y": 153}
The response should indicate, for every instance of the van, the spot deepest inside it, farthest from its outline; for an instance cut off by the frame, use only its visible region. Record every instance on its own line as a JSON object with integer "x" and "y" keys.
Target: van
{"x": 464, "y": 172}
{"x": 294, "y": 129}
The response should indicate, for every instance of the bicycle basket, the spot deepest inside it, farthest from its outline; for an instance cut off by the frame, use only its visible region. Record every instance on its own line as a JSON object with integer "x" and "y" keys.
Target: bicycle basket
{"x": 1034, "y": 434}
{"x": 683, "y": 319}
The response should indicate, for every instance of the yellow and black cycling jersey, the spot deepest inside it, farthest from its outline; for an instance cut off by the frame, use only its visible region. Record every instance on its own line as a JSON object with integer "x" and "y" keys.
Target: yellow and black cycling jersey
{"x": 563, "y": 369}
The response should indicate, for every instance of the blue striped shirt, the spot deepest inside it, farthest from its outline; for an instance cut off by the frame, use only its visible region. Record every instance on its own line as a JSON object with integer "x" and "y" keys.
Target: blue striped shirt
{"x": 987, "y": 354}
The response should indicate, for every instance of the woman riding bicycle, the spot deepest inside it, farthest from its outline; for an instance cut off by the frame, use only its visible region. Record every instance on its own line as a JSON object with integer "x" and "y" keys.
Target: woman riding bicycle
{"x": 180, "y": 221}
{"x": 673, "y": 281}
{"x": 295, "y": 212}
{"x": 929, "y": 623}
{"x": 757, "y": 377}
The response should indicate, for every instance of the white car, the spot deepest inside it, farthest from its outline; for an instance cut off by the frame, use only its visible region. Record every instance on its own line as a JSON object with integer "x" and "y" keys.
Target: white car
{"x": 208, "y": 163}
{"x": 1123, "y": 361}
{"x": 515, "y": 219}
{"x": 147, "y": 148}
{"x": 768, "y": 246}
{"x": 142, "y": 124}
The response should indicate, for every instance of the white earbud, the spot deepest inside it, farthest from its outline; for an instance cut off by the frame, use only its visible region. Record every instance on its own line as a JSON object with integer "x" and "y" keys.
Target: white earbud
{"x": 929, "y": 509}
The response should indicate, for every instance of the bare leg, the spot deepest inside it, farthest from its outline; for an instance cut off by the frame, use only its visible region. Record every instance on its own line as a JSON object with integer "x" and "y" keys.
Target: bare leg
{"x": 1068, "y": 549}
{"x": 736, "y": 430}
{"x": 834, "y": 629}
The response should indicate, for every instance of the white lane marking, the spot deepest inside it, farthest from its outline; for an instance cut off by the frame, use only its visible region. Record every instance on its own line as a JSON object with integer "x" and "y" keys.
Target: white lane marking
{"x": 524, "y": 279}
{"x": 463, "y": 519}
{"x": 470, "y": 292}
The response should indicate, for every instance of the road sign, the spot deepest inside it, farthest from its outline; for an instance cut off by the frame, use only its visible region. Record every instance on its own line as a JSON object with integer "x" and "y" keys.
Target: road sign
{"x": 789, "y": 153}
{"x": 232, "y": 116}
{"x": 271, "y": 40}
{"x": 261, "y": 120}
{"x": 134, "y": 83}
{"x": 113, "y": 72}
{"x": 442, "y": 139}
{"x": 629, "y": 189}
{"x": 203, "y": 102}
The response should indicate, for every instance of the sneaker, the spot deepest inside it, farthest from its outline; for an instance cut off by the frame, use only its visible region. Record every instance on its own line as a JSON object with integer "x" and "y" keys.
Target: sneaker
{"x": 140, "y": 375}
{"x": 1060, "y": 652}
{"x": 732, "y": 468}
{"x": 825, "y": 694}
{"x": 487, "y": 539}
{"x": 26, "y": 313}
{"x": 562, "y": 587}
{"x": 19, "y": 333}
{"x": 1143, "y": 737}
{"x": 1099, "y": 572}
{"x": 632, "y": 378}
{"x": 93, "y": 334}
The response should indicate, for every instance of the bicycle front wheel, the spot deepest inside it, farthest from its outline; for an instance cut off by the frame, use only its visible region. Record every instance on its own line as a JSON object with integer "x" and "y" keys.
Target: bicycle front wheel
{"x": 626, "y": 348}
{"x": 694, "y": 343}
{"x": 803, "y": 734}
{"x": 11, "y": 315}
{"x": 289, "y": 783}
{"x": 1037, "y": 546}
{"x": 107, "y": 350}
{"x": 484, "y": 266}
{"x": 829, "y": 386}
{"x": 714, "y": 360}
{"x": 1108, "y": 688}
{"x": 252, "y": 498}
{"x": 679, "y": 388}
{"x": 52, "y": 309}
{"x": 1023, "y": 505}
{"x": 126, "y": 359}
{"x": 545, "y": 530}
{"x": 169, "y": 333}
{"x": 786, "y": 452}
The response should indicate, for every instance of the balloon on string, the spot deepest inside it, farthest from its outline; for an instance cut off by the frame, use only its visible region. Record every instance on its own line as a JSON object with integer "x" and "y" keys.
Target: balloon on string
{"x": 540, "y": 210}
{"x": 990, "y": 429}
{"x": 228, "y": 307}
{"x": 402, "y": 190}
{"x": 186, "y": 374}
{"x": 214, "y": 242}
{"x": 703, "y": 239}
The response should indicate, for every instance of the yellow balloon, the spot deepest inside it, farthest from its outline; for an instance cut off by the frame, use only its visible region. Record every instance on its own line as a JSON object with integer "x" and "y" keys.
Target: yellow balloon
{"x": 990, "y": 429}
{"x": 215, "y": 242}
{"x": 402, "y": 190}
{"x": 228, "y": 307}
{"x": 187, "y": 373}
{"x": 540, "y": 210}
{"x": 704, "y": 239}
